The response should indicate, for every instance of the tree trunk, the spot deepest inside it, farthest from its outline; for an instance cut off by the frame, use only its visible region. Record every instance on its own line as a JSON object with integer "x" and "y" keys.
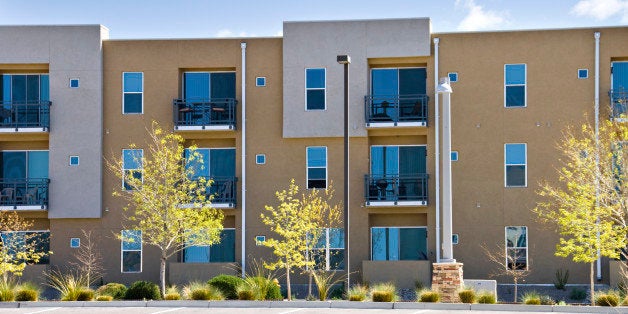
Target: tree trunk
{"x": 515, "y": 280}
{"x": 162, "y": 275}
{"x": 288, "y": 290}
{"x": 592, "y": 283}
{"x": 309, "y": 284}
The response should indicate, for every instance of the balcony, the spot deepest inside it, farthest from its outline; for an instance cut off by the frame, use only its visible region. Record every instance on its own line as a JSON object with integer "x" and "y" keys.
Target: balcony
{"x": 24, "y": 194}
{"x": 24, "y": 117}
{"x": 204, "y": 114}
{"x": 619, "y": 105}
{"x": 223, "y": 190}
{"x": 396, "y": 111}
{"x": 396, "y": 190}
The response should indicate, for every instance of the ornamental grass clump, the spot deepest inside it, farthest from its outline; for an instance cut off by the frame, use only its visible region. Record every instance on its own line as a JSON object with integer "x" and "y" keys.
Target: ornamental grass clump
{"x": 384, "y": 292}
{"x": 357, "y": 293}
{"x": 104, "y": 298}
{"x": 27, "y": 292}
{"x": 532, "y": 298}
{"x": 487, "y": 297}
{"x": 428, "y": 296}
{"x": 85, "y": 294}
{"x": 197, "y": 290}
{"x": 467, "y": 295}
{"x": 113, "y": 289}
{"x": 609, "y": 298}
{"x": 172, "y": 293}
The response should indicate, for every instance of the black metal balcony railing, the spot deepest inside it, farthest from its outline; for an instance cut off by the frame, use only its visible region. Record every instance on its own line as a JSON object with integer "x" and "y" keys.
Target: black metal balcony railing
{"x": 396, "y": 188}
{"x": 223, "y": 189}
{"x": 396, "y": 108}
{"x": 31, "y": 114}
{"x": 24, "y": 192}
{"x": 619, "y": 103}
{"x": 205, "y": 112}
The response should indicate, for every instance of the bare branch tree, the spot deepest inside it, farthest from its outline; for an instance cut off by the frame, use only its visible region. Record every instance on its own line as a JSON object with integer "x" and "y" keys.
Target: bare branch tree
{"x": 509, "y": 264}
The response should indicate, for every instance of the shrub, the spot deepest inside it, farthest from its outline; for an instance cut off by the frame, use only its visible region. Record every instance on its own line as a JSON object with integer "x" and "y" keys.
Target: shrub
{"x": 172, "y": 296}
{"x": 200, "y": 294}
{"x": 85, "y": 295}
{"x": 104, "y": 298}
{"x": 274, "y": 292}
{"x": 115, "y": 290}
{"x": 262, "y": 288}
{"x": 532, "y": 298}
{"x": 561, "y": 278}
{"x": 429, "y": 296}
{"x": 578, "y": 294}
{"x": 24, "y": 294}
{"x": 607, "y": 299}
{"x": 246, "y": 295}
{"x": 486, "y": 297}
{"x": 141, "y": 290}
{"x": 6, "y": 294}
{"x": 625, "y": 301}
{"x": 357, "y": 293}
{"x": 467, "y": 295}
{"x": 227, "y": 285}
{"x": 384, "y": 292}
{"x": 547, "y": 300}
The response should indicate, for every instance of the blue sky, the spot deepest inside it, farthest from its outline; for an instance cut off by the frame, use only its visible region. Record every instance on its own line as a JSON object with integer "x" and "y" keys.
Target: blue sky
{"x": 242, "y": 18}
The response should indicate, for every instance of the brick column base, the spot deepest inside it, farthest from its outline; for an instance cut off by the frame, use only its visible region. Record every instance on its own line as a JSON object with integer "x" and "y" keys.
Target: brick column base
{"x": 447, "y": 279}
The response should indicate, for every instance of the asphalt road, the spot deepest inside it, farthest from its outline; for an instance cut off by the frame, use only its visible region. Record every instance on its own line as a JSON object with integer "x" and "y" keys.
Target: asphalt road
{"x": 182, "y": 310}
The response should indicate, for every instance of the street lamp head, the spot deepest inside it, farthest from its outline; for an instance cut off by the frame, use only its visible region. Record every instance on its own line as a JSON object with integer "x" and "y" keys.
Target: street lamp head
{"x": 343, "y": 59}
{"x": 443, "y": 86}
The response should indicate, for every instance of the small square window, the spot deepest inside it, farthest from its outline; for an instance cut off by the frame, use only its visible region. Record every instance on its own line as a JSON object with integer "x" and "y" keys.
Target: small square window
{"x": 259, "y": 239}
{"x": 454, "y": 238}
{"x": 260, "y": 159}
{"x": 260, "y": 81}
{"x": 454, "y": 156}
{"x": 74, "y": 160}
{"x": 74, "y": 83}
{"x": 453, "y": 77}
{"x": 583, "y": 73}
{"x": 75, "y": 242}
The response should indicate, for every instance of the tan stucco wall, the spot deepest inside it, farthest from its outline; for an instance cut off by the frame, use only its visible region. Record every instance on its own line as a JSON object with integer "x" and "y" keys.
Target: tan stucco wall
{"x": 404, "y": 274}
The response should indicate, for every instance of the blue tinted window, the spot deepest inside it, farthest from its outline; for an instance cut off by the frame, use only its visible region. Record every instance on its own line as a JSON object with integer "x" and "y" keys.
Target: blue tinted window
{"x": 453, "y": 77}
{"x": 399, "y": 243}
{"x": 132, "y": 158}
{"x": 317, "y": 156}
{"x": 74, "y": 83}
{"x": 74, "y": 160}
{"x": 315, "y": 78}
{"x": 515, "y": 85}
{"x": 515, "y": 154}
{"x": 316, "y": 167}
{"x": 583, "y": 73}
{"x": 131, "y": 251}
{"x": 44, "y": 87}
{"x": 221, "y": 252}
{"x": 75, "y": 242}
{"x": 131, "y": 240}
{"x": 385, "y": 82}
{"x": 38, "y": 164}
{"x": 315, "y": 89}
{"x": 515, "y": 74}
{"x": 454, "y": 156}
{"x": 515, "y": 168}
{"x": 133, "y": 82}
{"x": 260, "y": 159}
{"x": 133, "y": 88}
{"x": 260, "y": 81}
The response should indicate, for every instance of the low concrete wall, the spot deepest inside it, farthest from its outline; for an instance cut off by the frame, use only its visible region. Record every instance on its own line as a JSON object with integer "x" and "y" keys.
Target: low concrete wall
{"x": 617, "y": 272}
{"x": 403, "y": 273}
{"x": 183, "y": 273}
{"x": 35, "y": 274}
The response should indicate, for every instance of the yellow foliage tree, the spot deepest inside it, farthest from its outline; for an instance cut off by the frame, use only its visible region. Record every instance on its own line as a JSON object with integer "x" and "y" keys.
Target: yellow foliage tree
{"x": 299, "y": 222}
{"x": 589, "y": 203}
{"x": 170, "y": 207}
{"x": 16, "y": 251}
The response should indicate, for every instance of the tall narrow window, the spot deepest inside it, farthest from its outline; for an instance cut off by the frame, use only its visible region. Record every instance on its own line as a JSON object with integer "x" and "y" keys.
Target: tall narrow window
{"x": 131, "y": 259}
{"x": 514, "y": 85}
{"x": 515, "y": 171}
{"x": 131, "y": 166}
{"x": 133, "y": 92}
{"x": 398, "y": 243}
{"x": 328, "y": 253}
{"x": 221, "y": 252}
{"x": 517, "y": 247}
{"x": 317, "y": 167}
{"x": 315, "y": 89}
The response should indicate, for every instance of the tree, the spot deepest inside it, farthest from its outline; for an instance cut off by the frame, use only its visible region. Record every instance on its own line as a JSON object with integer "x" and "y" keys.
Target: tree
{"x": 17, "y": 248}
{"x": 299, "y": 222}
{"x": 589, "y": 203}
{"x": 508, "y": 264}
{"x": 170, "y": 207}
{"x": 88, "y": 259}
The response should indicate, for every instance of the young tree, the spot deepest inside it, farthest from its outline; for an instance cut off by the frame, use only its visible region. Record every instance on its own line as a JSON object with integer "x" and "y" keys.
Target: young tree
{"x": 170, "y": 207}
{"x": 588, "y": 204}
{"x": 17, "y": 248}
{"x": 299, "y": 223}
{"x": 88, "y": 259}
{"x": 508, "y": 264}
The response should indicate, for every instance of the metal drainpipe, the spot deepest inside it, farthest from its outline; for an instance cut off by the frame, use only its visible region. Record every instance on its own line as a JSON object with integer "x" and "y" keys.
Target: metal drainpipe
{"x": 596, "y": 35}
{"x": 436, "y": 151}
{"x": 243, "y": 149}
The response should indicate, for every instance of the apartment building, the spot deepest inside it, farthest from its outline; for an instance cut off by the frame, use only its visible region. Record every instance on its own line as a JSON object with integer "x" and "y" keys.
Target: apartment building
{"x": 265, "y": 110}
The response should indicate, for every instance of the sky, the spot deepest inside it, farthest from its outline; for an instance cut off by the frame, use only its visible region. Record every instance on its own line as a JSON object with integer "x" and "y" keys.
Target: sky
{"x": 255, "y": 18}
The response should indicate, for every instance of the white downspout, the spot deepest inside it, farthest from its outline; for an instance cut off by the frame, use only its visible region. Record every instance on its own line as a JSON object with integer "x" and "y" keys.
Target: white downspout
{"x": 243, "y": 149}
{"x": 436, "y": 151}
{"x": 597, "y": 140}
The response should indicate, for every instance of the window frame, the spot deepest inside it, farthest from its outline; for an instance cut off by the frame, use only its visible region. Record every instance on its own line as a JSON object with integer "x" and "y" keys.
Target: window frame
{"x": 525, "y": 86}
{"x": 525, "y": 165}
{"x": 506, "y": 247}
{"x": 307, "y": 167}
{"x": 209, "y": 247}
{"x": 261, "y": 161}
{"x": 398, "y": 253}
{"x": 324, "y": 89}
{"x": 125, "y": 92}
{"x": 141, "y": 168}
{"x": 26, "y": 159}
{"x": 47, "y": 260}
{"x": 26, "y": 74}
{"x": 122, "y": 250}
{"x": 328, "y": 248}
{"x": 75, "y": 243}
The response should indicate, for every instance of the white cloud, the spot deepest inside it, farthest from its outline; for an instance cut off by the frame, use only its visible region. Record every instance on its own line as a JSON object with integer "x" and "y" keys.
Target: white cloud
{"x": 601, "y": 9}
{"x": 229, "y": 33}
{"x": 478, "y": 18}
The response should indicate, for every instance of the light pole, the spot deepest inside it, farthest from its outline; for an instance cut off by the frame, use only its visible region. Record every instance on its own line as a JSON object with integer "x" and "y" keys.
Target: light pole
{"x": 445, "y": 90}
{"x": 346, "y": 60}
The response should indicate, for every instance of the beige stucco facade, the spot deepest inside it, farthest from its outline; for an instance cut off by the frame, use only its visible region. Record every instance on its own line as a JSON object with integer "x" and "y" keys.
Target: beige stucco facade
{"x": 279, "y": 127}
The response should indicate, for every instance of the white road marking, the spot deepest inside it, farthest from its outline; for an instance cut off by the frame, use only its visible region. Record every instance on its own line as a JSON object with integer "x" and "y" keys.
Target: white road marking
{"x": 45, "y": 310}
{"x": 291, "y": 311}
{"x": 170, "y": 310}
{"x": 421, "y": 311}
